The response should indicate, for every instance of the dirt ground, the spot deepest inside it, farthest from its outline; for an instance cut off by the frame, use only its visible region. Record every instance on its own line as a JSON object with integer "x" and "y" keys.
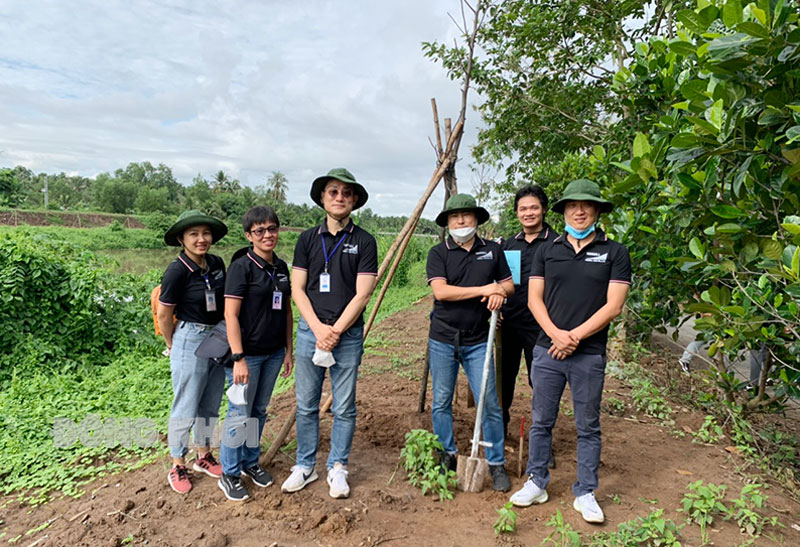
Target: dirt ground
{"x": 644, "y": 467}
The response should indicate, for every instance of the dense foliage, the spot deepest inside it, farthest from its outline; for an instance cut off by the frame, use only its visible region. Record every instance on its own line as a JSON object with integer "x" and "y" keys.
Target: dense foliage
{"x": 686, "y": 113}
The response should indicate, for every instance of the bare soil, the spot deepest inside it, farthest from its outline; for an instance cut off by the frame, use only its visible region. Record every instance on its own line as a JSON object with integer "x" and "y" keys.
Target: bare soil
{"x": 644, "y": 467}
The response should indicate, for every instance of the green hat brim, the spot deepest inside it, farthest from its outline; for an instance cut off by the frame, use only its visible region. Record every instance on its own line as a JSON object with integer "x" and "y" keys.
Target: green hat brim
{"x": 319, "y": 185}
{"x": 605, "y": 205}
{"x": 480, "y": 212}
{"x": 218, "y": 228}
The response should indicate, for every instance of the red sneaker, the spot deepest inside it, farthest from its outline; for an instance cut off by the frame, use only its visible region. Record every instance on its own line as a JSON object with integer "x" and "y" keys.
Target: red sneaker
{"x": 178, "y": 478}
{"x": 208, "y": 465}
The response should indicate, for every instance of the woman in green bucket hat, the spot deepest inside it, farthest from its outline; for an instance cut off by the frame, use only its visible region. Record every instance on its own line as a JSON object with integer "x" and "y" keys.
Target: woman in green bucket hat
{"x": 192, "y": 289}
{"x": 577, "y": 286}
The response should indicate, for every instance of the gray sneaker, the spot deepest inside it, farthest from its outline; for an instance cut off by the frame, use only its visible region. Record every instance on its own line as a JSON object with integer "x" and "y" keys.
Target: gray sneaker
{"x": 529, "y": 494}
{"x": 233, "y": 488}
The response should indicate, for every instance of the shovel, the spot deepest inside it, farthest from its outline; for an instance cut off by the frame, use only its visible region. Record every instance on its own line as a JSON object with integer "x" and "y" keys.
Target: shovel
{"x": 472, "y": 471}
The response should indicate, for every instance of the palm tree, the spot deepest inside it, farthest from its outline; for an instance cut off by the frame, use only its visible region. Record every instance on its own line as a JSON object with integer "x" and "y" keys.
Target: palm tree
{"x": 277, "y": 185}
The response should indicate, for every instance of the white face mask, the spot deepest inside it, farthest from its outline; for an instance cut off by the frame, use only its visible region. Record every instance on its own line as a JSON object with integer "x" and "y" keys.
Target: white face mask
{"x": 462, "y": 235}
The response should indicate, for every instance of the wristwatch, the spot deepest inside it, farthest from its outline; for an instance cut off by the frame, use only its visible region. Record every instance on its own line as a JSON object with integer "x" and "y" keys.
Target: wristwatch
{"x": 237, "y": 357}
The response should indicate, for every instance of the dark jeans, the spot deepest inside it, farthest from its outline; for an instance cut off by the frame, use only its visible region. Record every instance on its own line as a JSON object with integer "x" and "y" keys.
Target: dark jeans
{"x": 516, "y": 342}
{"x": 585, "y": 373}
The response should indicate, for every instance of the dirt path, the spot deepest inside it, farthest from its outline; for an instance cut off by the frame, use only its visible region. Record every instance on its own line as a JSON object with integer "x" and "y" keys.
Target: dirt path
{"x": 644, "y": 467}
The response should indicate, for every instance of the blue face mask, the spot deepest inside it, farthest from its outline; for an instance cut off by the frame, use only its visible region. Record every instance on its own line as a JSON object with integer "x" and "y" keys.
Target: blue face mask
{"x": 579, "y": 235}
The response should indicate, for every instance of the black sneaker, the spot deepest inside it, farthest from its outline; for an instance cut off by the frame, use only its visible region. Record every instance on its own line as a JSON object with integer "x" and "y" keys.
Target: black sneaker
{"x": 500, "y": 480}
{"x": 260, "y": 477}
{"x": 448, "y": 461}
{"x": 233, "y": 488}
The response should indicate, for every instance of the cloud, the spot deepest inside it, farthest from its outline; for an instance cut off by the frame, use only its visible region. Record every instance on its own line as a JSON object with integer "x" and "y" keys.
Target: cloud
{"x": 247, "y": 87}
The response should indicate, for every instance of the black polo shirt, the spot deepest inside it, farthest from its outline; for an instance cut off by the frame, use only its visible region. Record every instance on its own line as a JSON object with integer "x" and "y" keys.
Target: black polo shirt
{"x": 466, "y": 319}
{"x": 516, "y": 313}
{"x": 352, "y": 252}
{"x": 254, "y": 281}
{"x": 184, "y": 285}
{"x": 576, "y": 284}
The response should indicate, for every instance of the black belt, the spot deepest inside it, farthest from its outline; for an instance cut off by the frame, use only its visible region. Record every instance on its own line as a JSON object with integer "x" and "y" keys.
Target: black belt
{"x": 456, "y": 334}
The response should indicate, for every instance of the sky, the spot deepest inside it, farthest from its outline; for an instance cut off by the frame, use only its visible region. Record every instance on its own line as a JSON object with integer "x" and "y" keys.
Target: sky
{"x": 248, "y": 87}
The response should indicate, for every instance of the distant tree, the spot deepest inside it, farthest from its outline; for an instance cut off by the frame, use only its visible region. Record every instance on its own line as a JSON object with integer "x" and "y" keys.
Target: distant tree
{"x": 145, "y": 175}
{"x": 10, "y": 189}
{"x": 151, "y": 200}
{"x": 222, "y": 183}
{"x": 199, "y": 195}
{"x": 277, "y": 185}
{"x": 113, "y": 195}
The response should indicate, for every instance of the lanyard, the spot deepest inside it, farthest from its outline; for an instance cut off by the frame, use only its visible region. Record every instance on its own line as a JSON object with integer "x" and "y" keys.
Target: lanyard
{"x": 325, "y": 250}
{"x": 207, "y": 280}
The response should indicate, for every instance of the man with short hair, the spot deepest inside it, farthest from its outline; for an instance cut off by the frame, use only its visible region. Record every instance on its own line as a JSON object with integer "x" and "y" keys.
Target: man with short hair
{"x": 470, "y": 278}
{"x": 334, "y": 272}
{"x": 519, "y": 329}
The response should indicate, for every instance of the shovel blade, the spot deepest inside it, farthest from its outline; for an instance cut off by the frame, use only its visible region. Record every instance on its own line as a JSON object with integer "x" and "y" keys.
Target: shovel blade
{"x": 471, "y": 473}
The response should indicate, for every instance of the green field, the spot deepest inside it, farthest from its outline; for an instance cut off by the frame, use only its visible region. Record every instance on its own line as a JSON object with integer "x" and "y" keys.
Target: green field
{"x": 77, "y": 342}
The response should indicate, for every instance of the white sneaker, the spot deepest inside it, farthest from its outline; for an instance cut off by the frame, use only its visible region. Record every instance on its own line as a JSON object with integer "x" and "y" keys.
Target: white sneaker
{"x": 529, "y": 495}
{"x": 299, "y": 478}
{"x": 587, "y": 506}
{"x": 337, "y": 480}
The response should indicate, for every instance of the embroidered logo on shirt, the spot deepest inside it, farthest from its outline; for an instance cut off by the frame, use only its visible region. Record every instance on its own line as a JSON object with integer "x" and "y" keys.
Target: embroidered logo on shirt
{"x": 282, "y": 277}
{"x": 350, "y": 249}
{"x": 218, "y": 274}
{"x": 485, "y": 255}
{"x": 597, "y": 257}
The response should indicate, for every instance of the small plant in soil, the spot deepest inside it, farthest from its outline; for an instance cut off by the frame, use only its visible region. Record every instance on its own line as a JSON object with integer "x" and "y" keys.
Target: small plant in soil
{"x": 746, "y": 511}
{"x": 421, "y": 462}
{"x": 654, "y": 529}
{"x": 506, "y": 522}
{"x": 563, "y": 535}
{"x": 710, "y": 432}
{"x": 702, "y": 504}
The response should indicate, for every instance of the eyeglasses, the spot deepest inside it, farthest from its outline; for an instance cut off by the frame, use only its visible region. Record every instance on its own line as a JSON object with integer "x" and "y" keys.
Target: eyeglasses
{"x": 259, "y": 232}
{"x": 334, "y": 192}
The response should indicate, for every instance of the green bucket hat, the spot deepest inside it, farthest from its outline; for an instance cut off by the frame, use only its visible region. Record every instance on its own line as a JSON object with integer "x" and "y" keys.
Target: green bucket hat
{"x": 582, "y": 190}
{"x": 194, "y": 218}
{"x": 462, "y": 202}
{"x": 342, "y": 174}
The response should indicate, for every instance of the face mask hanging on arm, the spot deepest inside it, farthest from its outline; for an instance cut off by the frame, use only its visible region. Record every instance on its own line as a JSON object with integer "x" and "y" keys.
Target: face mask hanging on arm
{"x": 576, "y": 234}
{"x": 462, "y": 235}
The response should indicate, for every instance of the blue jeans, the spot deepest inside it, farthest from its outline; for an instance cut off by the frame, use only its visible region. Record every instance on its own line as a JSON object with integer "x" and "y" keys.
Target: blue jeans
{"x": 444, "y": 370}
{"x": 586, "y": 374}
{"x": 197, "y": 385}
{"x": 238, "y": 449}
{"x": 308, "y": 379}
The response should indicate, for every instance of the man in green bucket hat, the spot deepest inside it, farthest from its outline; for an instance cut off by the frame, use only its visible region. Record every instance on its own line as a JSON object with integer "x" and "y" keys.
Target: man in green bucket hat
{"x": 334, "y": 272}
{"x": 577, "y": 286}
{"x": 470, "y": 278}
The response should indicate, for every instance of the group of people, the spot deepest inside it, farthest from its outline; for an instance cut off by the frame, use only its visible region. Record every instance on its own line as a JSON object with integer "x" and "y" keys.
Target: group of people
{"x": 557, "y": 295}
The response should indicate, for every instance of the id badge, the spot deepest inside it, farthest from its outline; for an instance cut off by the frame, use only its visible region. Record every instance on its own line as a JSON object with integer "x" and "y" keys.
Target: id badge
{"x": 277, "y": 300}
{"x": 211, "y": 301}
{"x": 325, "y": 282}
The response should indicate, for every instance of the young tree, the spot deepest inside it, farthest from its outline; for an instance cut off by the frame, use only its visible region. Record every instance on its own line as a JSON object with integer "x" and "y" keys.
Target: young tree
{"x": 277, "y": 185}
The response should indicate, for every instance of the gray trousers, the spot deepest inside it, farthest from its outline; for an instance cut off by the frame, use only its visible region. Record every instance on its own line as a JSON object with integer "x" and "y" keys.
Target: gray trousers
{"x": 585, "y": 373}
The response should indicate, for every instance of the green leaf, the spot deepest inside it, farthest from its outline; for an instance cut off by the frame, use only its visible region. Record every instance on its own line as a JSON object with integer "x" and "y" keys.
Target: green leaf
{"x": 772, "y": 249}
{"x": 792, "y": 134}
{"x": 640, "y": 145}
{"x": 729, "y": 228}
{"x": 695, "y": 90}
{"x": 726, "y": 211}
{"x": 683, "y": 48}
{"x": 791, "y": 224}
{"x": 683, "y": 140}
{"x": 753, "y": 29}
{"x": 697, "y": 248}
{"x": 647, "y": 229}
{"x": 734, "y": 310}
{"x": 714, "y": 114}
{"x": 625, "y": 165}
{"x": 599, "y": 152}
{"x": 691, "y": 21}
{"x": 732, "y": 13}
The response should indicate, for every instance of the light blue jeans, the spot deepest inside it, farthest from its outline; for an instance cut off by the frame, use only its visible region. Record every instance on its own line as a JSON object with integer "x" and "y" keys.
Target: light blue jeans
{"x": 238, "y": 449}
{"x": 308, "y": 379}
{"x": 197, "y": 385}
{"x": 444, "y": 370}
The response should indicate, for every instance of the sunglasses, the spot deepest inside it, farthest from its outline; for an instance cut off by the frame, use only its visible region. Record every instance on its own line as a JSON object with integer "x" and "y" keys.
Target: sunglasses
{"x": 334, "y": 192}
{"x": 259, "y": 232}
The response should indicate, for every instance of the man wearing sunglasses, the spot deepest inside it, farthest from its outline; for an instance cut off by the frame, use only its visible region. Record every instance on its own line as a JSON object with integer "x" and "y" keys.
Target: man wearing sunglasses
{"x": 334, "y": 272}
